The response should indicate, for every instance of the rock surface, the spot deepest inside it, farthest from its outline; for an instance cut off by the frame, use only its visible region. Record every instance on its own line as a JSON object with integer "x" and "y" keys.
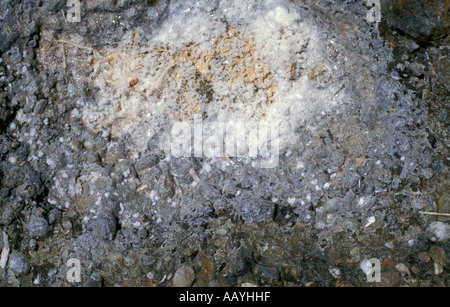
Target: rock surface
{"x": 370, "y": 143}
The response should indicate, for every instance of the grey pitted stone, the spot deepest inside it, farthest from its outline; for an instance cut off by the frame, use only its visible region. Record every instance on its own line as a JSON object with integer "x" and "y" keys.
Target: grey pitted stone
{"x": 18, "y": 263}
{"x": 38, "y": 227}
{"x": 105, "y": 226}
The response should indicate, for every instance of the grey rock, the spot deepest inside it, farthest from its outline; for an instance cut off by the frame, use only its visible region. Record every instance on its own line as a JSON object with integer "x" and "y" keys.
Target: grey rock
{"x": 54, "y": 216}
{"x": 105, "y": 226}
{"x": 147, "y": 162}
{"x": 421, "y": 19}
{"x": 6, "y": 40}
{"x": 18, "y": 263}
{"x": 256, "y": 210}
{"x": 10, "y": 211}
{"x": 417, "y": 69}
{"x": 184, "y": 277}
{"x": 38, "y": 227}
{"x": 440, "y": 230}
{"x": 30, "y": 104}
{"x": 33, "y": 244}
{"x": 422, "y": 242}
{"x": 40, "y": 106}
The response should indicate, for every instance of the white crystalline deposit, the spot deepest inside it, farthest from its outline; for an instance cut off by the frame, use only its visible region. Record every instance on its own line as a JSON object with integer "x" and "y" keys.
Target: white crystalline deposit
{"x": 246, "y": 61}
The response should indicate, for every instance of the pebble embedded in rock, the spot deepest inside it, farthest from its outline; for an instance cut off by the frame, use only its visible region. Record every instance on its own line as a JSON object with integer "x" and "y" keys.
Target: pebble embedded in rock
{"x": 422, "y": 242}
{"x": 33, "y": 244}
{"x": 403, "y": 269}
{"x": 54, "y": 216}
{"x": 19, "y": 264}
{"x": 105, "y": 226}
{"x": 38, "y": 227}
{"x": 184, "y": 277}
{"x": 415, "y": 270}
{"x": 440, "y": 230}
{"x": 147, "y": 162}
{"x": 424, "y": 257}
{"x": 438, "y": 268}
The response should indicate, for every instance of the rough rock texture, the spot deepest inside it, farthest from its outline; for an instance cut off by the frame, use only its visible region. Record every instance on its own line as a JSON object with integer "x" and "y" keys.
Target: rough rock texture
{"x": 134, "y": 217}
{"x": 423, "y": 20}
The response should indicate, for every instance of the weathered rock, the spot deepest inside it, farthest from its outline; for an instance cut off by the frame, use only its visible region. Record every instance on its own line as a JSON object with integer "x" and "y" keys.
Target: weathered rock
{"x": 440, "y": 230}
{"x": 423, "y": 20}
{"x": 147, "y": 162}
{"x": 10, "y": 211}
{"x": 38, "y": 227}
{"x": 424, "y": 257}
{"x": 256, "y": 210}
{"x": 18, "y": 263}
{"x": 105, "y": 226}
{"x": 184, "y": 277}
{"x": 402, "y": 268}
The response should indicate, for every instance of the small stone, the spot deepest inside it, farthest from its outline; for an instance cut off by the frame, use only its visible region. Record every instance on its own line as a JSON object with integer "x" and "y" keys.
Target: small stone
{"x": 417, "y": 69}
{"x": 147, "y": 162}
{"x": 422, "y": 242}
{"x": 440, "y": 230}
{"x": 335, "y": 272}
{"x": 438, "y": 268}
{"x": 248, "y": 285}
{"x": 370, "y": 221}
{"x": 40, "y": 106}
{"x": 33, "y": 244}
{"x": 19, "y": 264}
{"x": 424, "y": 257}
{"x": 415, "y": 270}
{"x": 66, "y": 224}
{"x": 38, "y": 227}
{"x": 184, "y": 277}
{"x": 389, "y": 245}
{"x": 221, "y": 232}
{"x": 411, "y": 46}
{"x": 30, "y": 104}
{"x": 403, "y": 269}
{"x": 105, "y": 226}
{"x": 54, "y": 216}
